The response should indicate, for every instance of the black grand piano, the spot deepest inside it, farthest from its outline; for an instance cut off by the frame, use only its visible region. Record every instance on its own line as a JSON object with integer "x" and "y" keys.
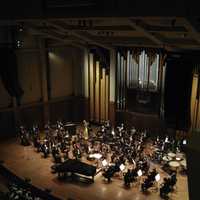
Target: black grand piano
{"x": 73, "y": 166}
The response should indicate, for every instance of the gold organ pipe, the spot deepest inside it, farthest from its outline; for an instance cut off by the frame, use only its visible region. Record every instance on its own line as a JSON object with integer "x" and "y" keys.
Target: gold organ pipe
{"x": 104, "y": 93}
{"x": 91, "y": 85}
{"x": 101, "y": 98}
{"x": 107, "y": 96}
{"x": 97, "y": 91}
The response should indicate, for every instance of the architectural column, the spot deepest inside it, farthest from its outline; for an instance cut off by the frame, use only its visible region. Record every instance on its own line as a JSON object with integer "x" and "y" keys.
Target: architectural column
{"x": 112, "y": 109}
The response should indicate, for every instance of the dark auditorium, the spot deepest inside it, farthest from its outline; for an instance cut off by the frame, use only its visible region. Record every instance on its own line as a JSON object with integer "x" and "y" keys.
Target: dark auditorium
{"x": 99, "y": 100}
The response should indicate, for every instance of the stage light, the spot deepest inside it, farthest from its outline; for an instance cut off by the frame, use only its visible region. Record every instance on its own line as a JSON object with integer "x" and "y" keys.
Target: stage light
{"x": 19, "y": 43}
{"x": 166, "y": 139}
{"x": 20, "y": 29}
{"x": 184, "y": 142}
{"x": 104, "y": 163}
{"x": 122, "y": 167}
{"x": 157, "y": 177}
{"x": 113, "y": 132}
{"x": 139, "y": 172}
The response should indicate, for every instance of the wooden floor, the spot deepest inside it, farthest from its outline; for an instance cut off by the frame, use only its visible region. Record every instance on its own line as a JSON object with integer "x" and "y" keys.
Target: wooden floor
{"x": 27, "y": 163}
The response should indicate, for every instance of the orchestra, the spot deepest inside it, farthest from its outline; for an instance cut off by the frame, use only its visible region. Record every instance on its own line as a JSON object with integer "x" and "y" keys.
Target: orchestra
{"x": 125, "y": 152}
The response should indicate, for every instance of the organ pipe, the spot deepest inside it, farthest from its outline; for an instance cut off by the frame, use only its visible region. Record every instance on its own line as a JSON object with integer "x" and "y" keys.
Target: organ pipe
{"x": 97, "y": 91}
{"x": 107, "y": 96}
{"x": 124, "y": 85}
{"x": 118, "y": 80}
{"x": 91, "y": 85}
{"x": 142, "y": 74}
{"x": 103, "y": 95}
{"x": 128, "y": 68}
{"x": 121, "y": 82}
{"x": 98, "y": 81}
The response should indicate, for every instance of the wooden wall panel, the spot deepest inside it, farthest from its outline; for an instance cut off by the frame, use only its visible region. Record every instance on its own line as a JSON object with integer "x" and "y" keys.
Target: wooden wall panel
{"x": 78, "y": 71}
{"x": 32, "y": 115}
{"x": 61, "y": 110}
{"x": 140, "y": 121}
{"x": 5, "y": 99}
{"x": 29, "y": 76}
{"x": 80, "y": 106}
{"x": 61, "y": 72}
{"x": 112, "y": 113}
{"x": 7, "y": 124}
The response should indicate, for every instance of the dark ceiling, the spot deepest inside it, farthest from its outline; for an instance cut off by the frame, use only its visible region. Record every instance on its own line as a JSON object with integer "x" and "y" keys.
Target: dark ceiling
{"x": 109, "y": 24}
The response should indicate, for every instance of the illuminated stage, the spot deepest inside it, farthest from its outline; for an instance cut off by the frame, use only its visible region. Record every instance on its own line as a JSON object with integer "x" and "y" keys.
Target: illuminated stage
{"x": 25, "y": 162}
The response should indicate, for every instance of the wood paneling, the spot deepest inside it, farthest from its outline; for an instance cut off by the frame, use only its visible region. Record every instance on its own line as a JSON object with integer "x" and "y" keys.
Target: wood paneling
{"x": 139, "y": 120}
{"x": 29, "y": 76}
{"x": 32, "y": 115}
{"x": 61, "y": 110}
{"x": 7, "y": 124}
{"x": 61, "y": 73}
{"x": 5, "y": 99}
{"x": 112, "y": 112}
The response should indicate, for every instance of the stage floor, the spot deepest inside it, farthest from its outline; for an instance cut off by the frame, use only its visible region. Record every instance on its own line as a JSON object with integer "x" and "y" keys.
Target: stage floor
{"x": 25, "y": 162}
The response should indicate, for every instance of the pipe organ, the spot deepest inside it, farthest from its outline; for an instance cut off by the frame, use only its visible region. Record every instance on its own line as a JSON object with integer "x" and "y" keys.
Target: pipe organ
{"x": 140, "y": 70}
{"x": 98, "y": 89}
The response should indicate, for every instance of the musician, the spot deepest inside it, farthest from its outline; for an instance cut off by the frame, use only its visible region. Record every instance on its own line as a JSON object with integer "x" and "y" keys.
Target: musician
{"x": 107, "y": 125}
{"x": 127, "y": 178}
{"x": 85, "y": 131}
{"x": 173, "y": 179}
{"x": 149, "y": 181}
{"x": 36, "y": 141}
{"x": 76, "y": 152}
{"x": 165, "y": 188}
{"x": 24, "y": 136}
{"x": 109, "y": 173}
{"x": 45, "y": 150}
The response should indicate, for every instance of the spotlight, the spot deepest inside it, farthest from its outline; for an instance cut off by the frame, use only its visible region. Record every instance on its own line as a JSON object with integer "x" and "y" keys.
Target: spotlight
{"x": 104, "y": 163}
{"x": 184, "y": 142}
{"x": 157, "y": 177}
{"x": 166, "y": 139}
{"x": 19, "y": 43}
{"x": 20, "y": 29}
{"x": 122, "y": 167}
{"x": 113, "y": 132}
{"x": 139, "y": 172}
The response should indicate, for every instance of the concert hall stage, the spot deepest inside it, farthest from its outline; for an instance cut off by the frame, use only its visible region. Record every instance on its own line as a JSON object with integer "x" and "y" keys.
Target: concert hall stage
{"x": 25, "y": 162}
